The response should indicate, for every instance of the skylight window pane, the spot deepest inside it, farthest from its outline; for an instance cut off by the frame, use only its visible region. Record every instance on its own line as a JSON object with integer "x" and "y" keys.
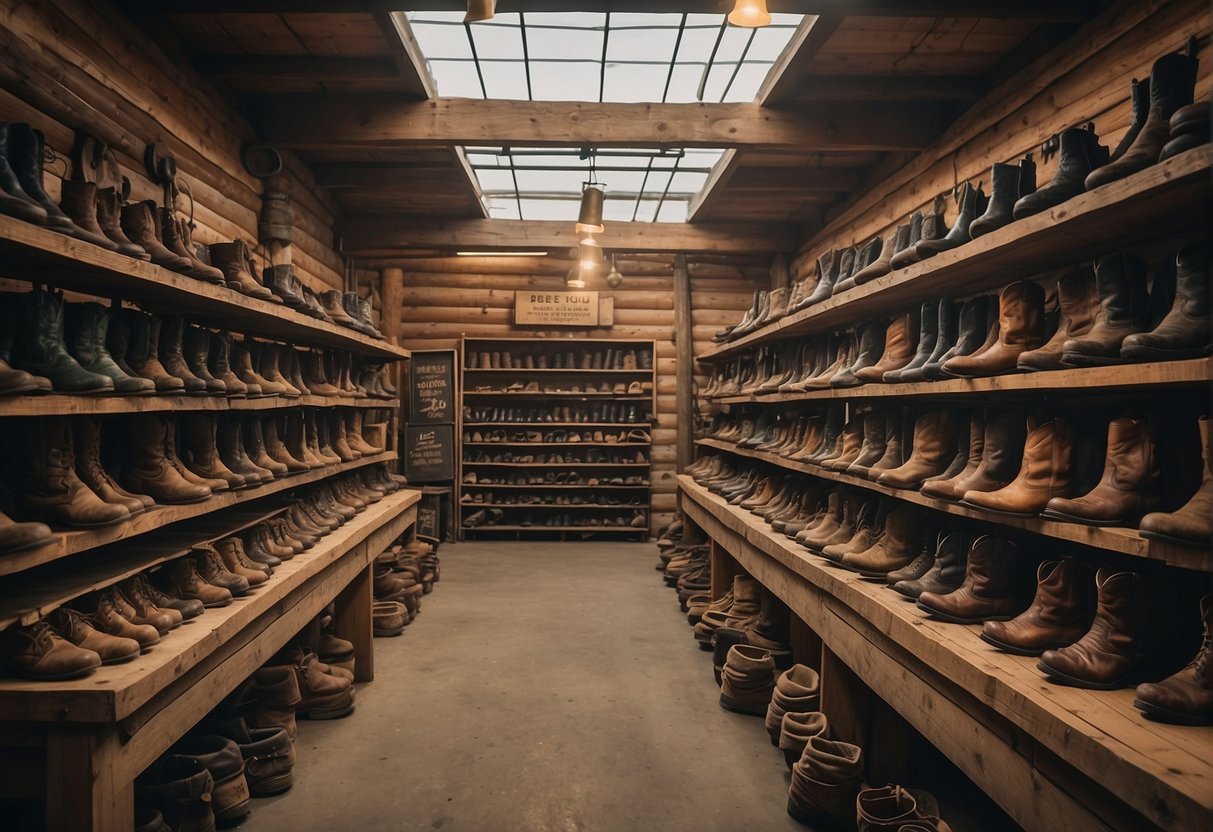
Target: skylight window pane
{"x": 565, "y": 82}
{"x": 505, "y": 80}
{"x": 549, "y": 209}
{"x": 497, "y": 42}
{"x": 632, "y": 82}
{"x": 733, "y": 44}
{"x": 442, "y": 41}
{"x": 502, "y": 208}
{"x": 578, "y": 20}
{"x": 674, "y": 210}
{"x": 684, "y": 83}
{"x": 562, "y": 43}
{"x": 624, "y": 180}
{"x": 617, "y": 210}
{"x": 456, "y": 79}
{"x": 495, "y": 180}
{"x": 641, "y": 45}
{"x": 568, "y": 181}
{"x": 747, "y": 83}
{"x": 647, "y": 211}
{"x": 688, "y": 183}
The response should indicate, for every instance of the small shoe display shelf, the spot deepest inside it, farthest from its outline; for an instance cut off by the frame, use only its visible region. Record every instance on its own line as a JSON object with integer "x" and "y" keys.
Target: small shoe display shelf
{"x": 556, "y": 438}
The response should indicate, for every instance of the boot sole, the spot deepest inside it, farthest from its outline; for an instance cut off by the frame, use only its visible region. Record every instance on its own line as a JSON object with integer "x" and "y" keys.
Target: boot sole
{"x": 1173, "y": 717}
{"x": 1071, "y": 518}
{"x": 1156, "y": 354}
{"x": 953, "y": 619}
{"x": 1116, "y": 684}
{"x": 381, "y": 633}
{"x": 1018, "y": 651}
{"x": 1001, "y": 511}
{"x": 326, "y": 713}
{"x": 1166, "y": 538}
{"x": 271, "y": 786}
{"x": 731, "y": 704}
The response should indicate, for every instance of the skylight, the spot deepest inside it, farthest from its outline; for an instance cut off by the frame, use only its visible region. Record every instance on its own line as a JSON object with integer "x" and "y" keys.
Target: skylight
{"x": 597, "y": 57}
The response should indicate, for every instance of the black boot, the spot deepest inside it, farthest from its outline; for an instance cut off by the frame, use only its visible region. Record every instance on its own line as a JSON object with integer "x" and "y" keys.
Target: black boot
{"x": 26, "y": 149}
{"x": 88, "y": 324}
{"x": 869, "y": 254}
{"x": 828, "y": 266}
{"x": 1141, "y": 109}
{"x": 14, "y": 201}
{"x": 928, "y": 333}
{"x": 41, "y": 348}
{"x": 1010, "y": 184}
{"x": 908, "y": 254}
{"x": 971, "y": 332}
{"x": 1184, "y": 332}
{"x": 1120, "y": 280}
{"x": 1081, "y": 153}
{"x": 871, "y": 347}
{"x": 945, "y": 339}
{"x": 972, "y": 203}
{"x": 12, "y": 380}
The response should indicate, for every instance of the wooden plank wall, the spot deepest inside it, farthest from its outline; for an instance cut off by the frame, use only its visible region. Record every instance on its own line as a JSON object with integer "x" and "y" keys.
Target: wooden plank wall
{"x": 1087, "y": 78}
{"x": 446, "y": 297}
{"x": 67, "y": 63}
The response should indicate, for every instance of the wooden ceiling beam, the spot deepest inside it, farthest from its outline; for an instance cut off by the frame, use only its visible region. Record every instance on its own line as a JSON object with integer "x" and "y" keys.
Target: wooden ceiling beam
{"x": 253, "y": 70}
{"x": 368, "y": 233}
{"x": 889, "y": 88}
{"x": 350, "y": 121}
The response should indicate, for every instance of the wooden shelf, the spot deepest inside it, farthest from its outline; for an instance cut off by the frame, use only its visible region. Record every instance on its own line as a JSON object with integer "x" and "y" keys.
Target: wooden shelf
{"x": 67, "y": 263}
{"x": 538, "y": 425}
{"x": 554, "y": 506}
{"x": 564, "y": 464}
{"x": 69, "y": 543}
{"x": 1113, "y": 539}
{"x": 547, "y": 485}
{"x": 1156, "y": 376}
{"x": 1172, "y": 195}
{"x": 1019, "y": 735}
{"x": 518, "y": 394}
{"x": 111, "y": 694}
{"x": 542, "y": 528}
{"x": 517, "y": 370}
{"x": 560, "y": 444}
{"x": 56, "y": 404}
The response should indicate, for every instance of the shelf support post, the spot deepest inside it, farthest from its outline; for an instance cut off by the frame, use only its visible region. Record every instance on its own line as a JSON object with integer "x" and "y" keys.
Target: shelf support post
{"x": 685, "y": 379}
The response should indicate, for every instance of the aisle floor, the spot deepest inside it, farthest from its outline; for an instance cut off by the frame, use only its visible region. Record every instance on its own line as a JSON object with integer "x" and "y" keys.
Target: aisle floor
{"x": 545, "y": 686}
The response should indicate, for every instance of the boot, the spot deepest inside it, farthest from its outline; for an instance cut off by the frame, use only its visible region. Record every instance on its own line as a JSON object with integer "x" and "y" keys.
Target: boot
{"x": 946, "y": 573}
{"x": 79, "y": 201}
{"x": 108, "y": 617}
{"x": 1184, "y": 332}
{"x": 13, "y": 381}
{"x": 196, "y": 346}
{"x": 149, "y": 470}
{"x": 268, "y": 753}
{"x": 928, "y": 332}
{"x": 871, "y": 346}
{"x": 1129, "y": 484}
{"x": 898, "y": 543}
{"x": 142, "y": 354}
{"x": 53, "y": 491}
{"x": 322, "y": 696}
{"x": 828, "y": 268}
{"x": 214, "y": 571}
{"x": 1021, "y": 327}
{"x": 177, "y": 239}
{"x": 868, "y": 521}
{"x": 172, "y": 354}
{"x": 231, "y": 550}
{"x": 1113, "y": 651}
{"x": 934, "y": 446}
{"x": 875, "y": 429}
{"x": 988, "y": 590}
{"x": 155, "y": 607}
{"x": 182, "y": 579}
{"x": 241, "y": 361}
{"x": 1044, "y": 473}
{"x": 139, "y": 222}
{"x": 277, "y": 448}
{"x": 945, "y": 338}
{"x": 899, "y": 341}
{"x": 883, "y": 264}
{"x": 109, "y": 220}
{"x": 1184, "y": 697}
{"x": 997, "y": 454}
{"x": 869, "y": 255}
{"x": 234, "y": 260}
{"x": 41, "y": 349}
{"x": 219, "y": 364}
{"x": 972, "y": 204}
{"x": 1191, "y": 524}
{"x": 26, "y": 156}
{"x": 896, "y": 438}
{"x": 269, "y": 376}
{"x": 1081, "y": 153}
{"x": 14, "y": 201}
{"x": 230, "y": 442}
{"x": 1078, "y": 303}
{"x": 202, "y": 453}
{"x": 1120, "y": 280}
{"x": 179, "y": 787}
{"x": 797, "y": 690}
{"x": 1057, "y": 618}
{"x": 747, "y": 680}
{"x": 17, "y": 537}
{"x": 187, "y": 608}
{"x": 88, "y": 324}
{"x": 908, "y": 255}
{"x": 894, "y": 809}
{"x": 87, "y": 437}
{"x": 1140, "y": 98}
{"x": 1010, "y": 184}
{"x": 825, "y": 784}
{"x": 974, "y": 334}
{"x": 79, "y": 629}
{"x": 255, "y": 446}
{"x": 1172, "y": 83}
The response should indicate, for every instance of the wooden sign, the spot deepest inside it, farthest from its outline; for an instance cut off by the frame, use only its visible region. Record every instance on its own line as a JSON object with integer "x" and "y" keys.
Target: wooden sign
{"x": 429, "y": 453}
{"x": 432, "y": 387}
{"x": 540, "y": 308}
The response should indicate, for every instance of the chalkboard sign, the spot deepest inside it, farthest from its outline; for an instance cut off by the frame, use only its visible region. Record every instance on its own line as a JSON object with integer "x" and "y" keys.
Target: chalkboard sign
{"x": 432, "y": 387}
{"x": 429, "y": 518}
{"x": 429, "y": 452}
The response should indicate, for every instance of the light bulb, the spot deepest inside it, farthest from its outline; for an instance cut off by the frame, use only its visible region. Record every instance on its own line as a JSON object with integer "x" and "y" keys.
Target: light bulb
{"x": 750, "y": 13}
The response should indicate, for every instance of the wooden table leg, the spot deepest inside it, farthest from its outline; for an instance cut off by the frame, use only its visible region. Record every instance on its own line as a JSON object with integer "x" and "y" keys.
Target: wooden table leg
{"x": 352, "y": 621}
{"x": 87, "y": 787}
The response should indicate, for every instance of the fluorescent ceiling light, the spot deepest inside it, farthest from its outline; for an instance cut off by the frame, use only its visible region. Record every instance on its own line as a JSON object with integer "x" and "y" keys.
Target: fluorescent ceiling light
{"x": 501, "y": 253}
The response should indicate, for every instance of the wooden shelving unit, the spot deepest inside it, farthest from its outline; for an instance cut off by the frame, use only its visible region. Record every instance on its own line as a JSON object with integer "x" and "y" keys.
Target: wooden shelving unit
{"x": 555, "y": 391}
{"x": 1065, "y": 758}
{"x": 57, "y": 404}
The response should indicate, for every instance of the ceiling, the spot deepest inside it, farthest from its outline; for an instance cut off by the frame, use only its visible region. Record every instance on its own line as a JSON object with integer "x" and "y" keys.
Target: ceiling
{"x": 860, "y": 84}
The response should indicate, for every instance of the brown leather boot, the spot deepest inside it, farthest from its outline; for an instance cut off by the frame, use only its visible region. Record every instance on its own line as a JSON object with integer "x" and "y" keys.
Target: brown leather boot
{"x": 852, "y": 443}
{"x": 86, "y": 432}
{"x": 16, "y": 537}
{"x": 202, "y": 453}
{"x": 1021, "y": 327}
{"x": 38, "y": 652}
{"x": 946, "y": 573}
{"x": 322, "y": 695}
{"x": 196, "y": 346}
{"x": 182, "y": 579}
{"x": 79, "y": 201}
{"x": 988, "y": 590}
{"x": 149, "y": 470}
{"x": 153, "y": 607}
{"x": 934, "y": 447}
{"x": 1192, "y": 524}
{"x": 899, "y": 543}
{"x": 271, "y": 699}
{"x": 1044, "y": 473}
{"x": 1058, "y": 617}
{"x": 139, "y": 223}
{"x": 1113, "y": 651}
{"x": 214, "y": 571}
{"x": 241, "y": 360}
{"x": 53, "y": 491}
{"x": 900, "y": 341}
{"x": 269, "y": 369}
{"x": 1184, "y": 331}
{"x": 277, "y": 449}
{"x": 1120, "y": 280}
{"x": 1078, "y": 303}
{"x": 143, "y": 352}
{"x": 869, "y": 521}
{"x": 177, "y": 239}
{"x": 254, "y": 446}
{"x": 231, "y": 549}
{"x": 825, "y": 784}
{"x": 1186, "y": 696}
{"x": 219, "y": 363}
{"x": 78, "y": 629}
{"x": 1001, "y": 448}
{"x": 109, "y": 619}
{"x": 140, "y": 612}
{"x": 233, "y": 259}
{"x": 1128, "y": 485}
{"x": 109, "y": 220}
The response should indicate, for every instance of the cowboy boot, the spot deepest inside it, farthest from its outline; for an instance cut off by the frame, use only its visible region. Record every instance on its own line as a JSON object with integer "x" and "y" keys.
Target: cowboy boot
{"x": 139, "y": 223}
{"x": 149, "y": 470}
{"x": 1079, "y": 305}
{"x": 219, "y": 365}
{"x": 1184, "y": 697}
{"x": 172, "y": 354}
{"x": 1192, "y": 524}
{"x": 86, "y": 432}
{"x": 972, "y": 204}
{"x": 196, "y": 345}
{"x": 1120, "y": 280}
{"x": 79, "y": 201}
{"x": 1021, "y": 327}
{"x": 40, "y": 349}
{"x": 53, "y": 492}
{"x": 1044, "y": 473}
{"x": 142, "y": 355}
{"x": 1113, "y": 651}
{"x": 14, "y": 201}
{"x": 109, "y": 220}
{"x": 1184, "y": 332}
{"x": 1010, "y": 184}
{"x": 988, "y": 590}
{"x": 89, "y": 327}
{"x": 202, "y": 452}
{"x": 1081, "y": 153}
{"x": 1058, "y": 617}
{"x": 1129, "y": 483}
{"x": 26, "y": 156}
{"x": 945, "y": 338}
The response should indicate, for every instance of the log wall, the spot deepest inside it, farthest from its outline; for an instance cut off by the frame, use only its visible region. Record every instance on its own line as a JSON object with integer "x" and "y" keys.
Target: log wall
{"x": 67, "y": 64}
{"x": 445, "y": 298}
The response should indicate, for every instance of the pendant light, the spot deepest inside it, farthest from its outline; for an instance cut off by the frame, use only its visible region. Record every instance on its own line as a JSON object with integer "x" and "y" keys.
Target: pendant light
{"x": 590, "y": 255}
{"x": 751, "y": 14}
{"x": 614, "y": 278}
{"x": 589, "y": 219}
{"x": 479, "y": 10}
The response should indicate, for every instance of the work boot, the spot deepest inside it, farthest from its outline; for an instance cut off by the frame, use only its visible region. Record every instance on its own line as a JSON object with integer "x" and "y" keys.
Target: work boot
{"x": 947, "y": 570}
{"x": 88, "y": 324}
{"x": 825, "y": 783}
{"x": 222, "y": 758}
{"x": 282, "y": 281}
{"x": 1192, "y": 524}
{"x": 747, "y": 680}
{"x": 269, "y": 754}
{"x": 875, "y": 431}
{"x": 1128, "y": 486}
{"x": 389, "y": 618}
{"x": 143, "y": 352}
{"x": 267, "y": 355}
{"x": 1184, "y": 332}
{"x": 796, "y": 728}
{"x": 871, "y": 346}
{"x": 1186, "y": 696}
{"x": 219, "y": 364}
{"x": 78, "y": 200}
{"x": 53, "y": 491}
{"x": 867, "y": 255}
{"x": 899, "y": 341}
{"x": 828, "y": 267}
{"x": 149, "y": 602}
{"x": 180, "y": 788}
{"x": 1120, "y": 280}
{"x": 255, "y": 447}
{"x": 13, "y": 381}
{"x": 322, "y": 695}
{"x": 140, "y": 223}
{"x": 176, "y": 236}
{"x": 235, "y": 261}
{"x": 1113, "y": 651}
{"x": 202, "y": 452}
{"x": 920, "y": 565}
{"x": 934, "y": 446}
{"x": 972, "y": 204}
{"x": 182, "y": 579}
{"x": 138, "y": 610}
{"x": 77, "y": 628}
{"x": 1010, "y": 183}
{"x": 272, "y": 698}
{"x": 109, "y": 220}
{"x": 14, "y": 201}
{"x": 972, "y": 331}
{"x": 851, "y": 444}
{"x": 988, "y": 590}
{"x": 928, "y": 332}
{"x": 1078, "y": 303}
{"x": 17, "y": 537}
{"x": 171, "y": 352}
{"x": 230, "y": 442}
{"x": 1058, "y": 617}
{"x": 1021, "y": 327}
{"x": 277, "y": 449}
{"x": 214, "y": 571}
{"x": 196, "y": 346}
{"x": 231, "y": 550}
{"x": 241, "y": 362}
{"x": 892, "y": 809}
{"x": 1172, "y": 83}
{"x": 1081, "y": 153}
{"x": 149, "y": 470}
{"x": 898, "y": 543}
{"x": 39, "y": 653}
{"x": 87, "y": 438}
{"x": 907, "y": 254}
{"x": 1044, "y": 473}
{"x": 1140, "y": 98}
{"x": 946, "y": 335}
{"x": 297, "y": 441}
{"x": 40, "y": 347}
{"x": 797, "y": 690}
{"x": 26, "y": 156}
{"x": 107, "y": 617}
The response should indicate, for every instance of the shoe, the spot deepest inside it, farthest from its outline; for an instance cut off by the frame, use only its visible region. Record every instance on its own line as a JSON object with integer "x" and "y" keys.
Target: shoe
{"x": 1010, "y": 183}
{"x": 150, "y": 470}
{"x": 1058, "y": 617}
{"x": 988, "y": 590}
{"x": 826, "y": 781}
{"x": 1129, "y": 484}
{"x": 1021, "y": 327}
{"x": 1044, "y": 473}
{"x": 1192, "y": 524}
{"x": 1184, "y": 332}
{"x": 181, "y": 578}
{"x": 1078, "y": 304}
{"x": 1186, "y": 696}
{"x": 37, "y": 652}
{"x": 222, "y": 758}
{"x": 14, "y": 201}
{"x": 1120, "y": 280}
{"x": 53, "y": 490}
{"x": 747, "y": 680}
{"x": 179, "y": 787}
{"x": 88, "y": 325}
{"x": 40, "y": 348}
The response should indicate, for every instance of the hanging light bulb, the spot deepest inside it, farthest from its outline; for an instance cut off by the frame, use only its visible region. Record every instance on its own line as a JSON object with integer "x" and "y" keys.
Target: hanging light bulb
{"x": 590, "y": 255}
{"x": 589, "y": 220}
{"x": 614, "y": 278}
{"x": 479, "y": 10}
{"x": 573, "y": 279}
{"x": 750, "y": 14}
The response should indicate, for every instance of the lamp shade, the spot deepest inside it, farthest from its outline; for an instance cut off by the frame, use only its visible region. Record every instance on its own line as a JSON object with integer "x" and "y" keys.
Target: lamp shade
{"x": 589, "y": 220}
{"x": 750, "y": 13}
{"x": 479, "y": 10}
{"x": 590, "y": 254}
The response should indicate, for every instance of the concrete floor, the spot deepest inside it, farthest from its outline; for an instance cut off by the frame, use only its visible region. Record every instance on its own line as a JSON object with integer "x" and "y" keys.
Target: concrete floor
{"x": 545, "y": 686}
